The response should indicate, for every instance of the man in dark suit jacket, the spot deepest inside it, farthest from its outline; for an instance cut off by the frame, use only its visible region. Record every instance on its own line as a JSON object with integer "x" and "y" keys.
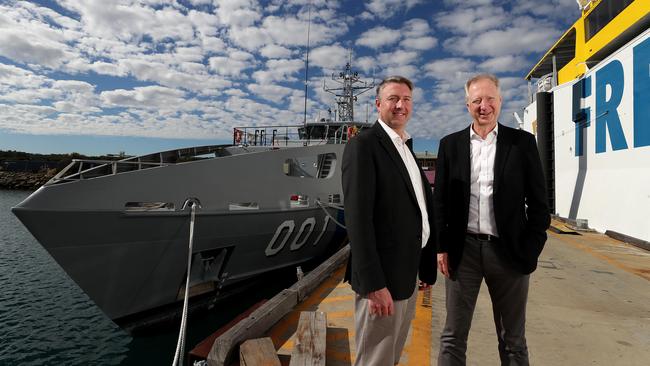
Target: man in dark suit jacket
{"x": 491, "y": 219}
{"x": 388, "y": 214}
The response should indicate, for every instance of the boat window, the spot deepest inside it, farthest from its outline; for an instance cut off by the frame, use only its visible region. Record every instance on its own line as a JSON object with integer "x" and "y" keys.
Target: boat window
{"x": 602, "y": 15}
{"x": 149, "y": 206}
{"x": 318, "y": 166}
{"x": 317, "y": 132}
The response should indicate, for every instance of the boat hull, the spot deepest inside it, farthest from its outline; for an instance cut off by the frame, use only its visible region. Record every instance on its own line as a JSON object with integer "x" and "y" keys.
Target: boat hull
{"x": 131, "y": 261}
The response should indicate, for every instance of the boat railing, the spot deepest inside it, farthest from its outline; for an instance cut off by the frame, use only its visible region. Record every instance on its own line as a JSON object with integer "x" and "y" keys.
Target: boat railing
{"x": 546, "y": 83}
{"x": 296, "y": 135}
{"x": 86, "y": 168}
{"x": 273, "y": 136}
{"x": 80, "y": 169}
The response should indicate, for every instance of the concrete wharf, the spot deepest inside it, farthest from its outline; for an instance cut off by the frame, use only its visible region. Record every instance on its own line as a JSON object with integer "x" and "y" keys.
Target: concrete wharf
{"x": 589, "y": 304}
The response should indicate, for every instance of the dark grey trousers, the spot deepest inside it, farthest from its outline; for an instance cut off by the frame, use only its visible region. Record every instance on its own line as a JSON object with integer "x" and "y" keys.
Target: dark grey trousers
{"x": 509, "y": 293}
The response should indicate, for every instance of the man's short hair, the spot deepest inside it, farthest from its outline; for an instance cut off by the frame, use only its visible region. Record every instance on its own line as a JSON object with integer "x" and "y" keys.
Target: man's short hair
{"x": 484, "y": 76}
{"x": 393, "y": 79}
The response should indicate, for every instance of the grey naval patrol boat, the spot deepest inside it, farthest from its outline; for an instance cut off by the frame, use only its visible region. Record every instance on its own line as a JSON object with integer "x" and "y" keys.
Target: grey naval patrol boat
{"x": 269, "y": 200}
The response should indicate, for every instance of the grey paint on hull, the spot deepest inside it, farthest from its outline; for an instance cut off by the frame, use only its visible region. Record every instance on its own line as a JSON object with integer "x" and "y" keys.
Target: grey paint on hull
{"x": 128, "y": 262}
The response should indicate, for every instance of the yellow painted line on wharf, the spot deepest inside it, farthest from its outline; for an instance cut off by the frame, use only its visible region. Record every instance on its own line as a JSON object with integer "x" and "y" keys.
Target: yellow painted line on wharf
{"x": 337, "y": 300}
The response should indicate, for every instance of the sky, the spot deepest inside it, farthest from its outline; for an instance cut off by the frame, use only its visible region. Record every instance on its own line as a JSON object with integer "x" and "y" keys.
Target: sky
{"x": 139, "y": 76}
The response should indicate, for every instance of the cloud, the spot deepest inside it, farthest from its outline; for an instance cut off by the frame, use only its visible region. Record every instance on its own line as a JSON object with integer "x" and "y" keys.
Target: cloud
{"x": 25, "y": 38}
{"x": 472, "y": 21}
{"x": 444, "y": 69}
{"x": 378, "y": 37}
{"x": 227, "y": 66}
{"x": 414, "y": 34}
{"x": 74, "y": 86}
{"x": 468, "y": 3}
{"x": 143, "y": 97}
{"x": 408, "y": 71}
{"x": 508, "y": 63}
{"x": 274, "y": 93}
{"x": 113, "y": 20}
{"x": 250, "y": 38}
{"x": 398, "y": 57}
{"x": 420, "y": 43}
{"x": 329, "y": 57}
{"x": 238, "y": 13}
{"x": 13, "y": 77}
{"x": 366, "y": 63}
{"x": 14, "y": 47}
{"x": 288, "y": 31}
{"x": 415, "y": 28}
{"x": 514, "y": 41}
{"x": 566, "y": 10}
{"x": 279, "y": 70}
{"x": 275, "y": 51}
{"x": 196, "y": 68}
{"x": 387, "y": 8}
{"x": 213, "y": 45}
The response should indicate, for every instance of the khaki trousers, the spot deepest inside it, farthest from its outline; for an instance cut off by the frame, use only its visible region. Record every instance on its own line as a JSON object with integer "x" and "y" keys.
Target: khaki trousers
{"x": 380, "y": 340}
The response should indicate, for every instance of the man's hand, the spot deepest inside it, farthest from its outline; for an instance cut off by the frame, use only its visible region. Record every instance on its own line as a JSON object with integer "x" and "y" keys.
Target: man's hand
{"x": 443, "y": 264}
{"x": 380, "y": 302}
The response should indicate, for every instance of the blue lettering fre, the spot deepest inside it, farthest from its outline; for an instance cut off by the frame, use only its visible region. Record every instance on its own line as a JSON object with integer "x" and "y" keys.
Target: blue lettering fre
{"x": 580, "y": 116}
{"x": 642, "y": 94}
{"x": 607, "y": 117}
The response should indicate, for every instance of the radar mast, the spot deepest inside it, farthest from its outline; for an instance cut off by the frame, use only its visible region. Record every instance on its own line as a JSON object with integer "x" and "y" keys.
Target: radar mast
{"x": 350, "y": 86}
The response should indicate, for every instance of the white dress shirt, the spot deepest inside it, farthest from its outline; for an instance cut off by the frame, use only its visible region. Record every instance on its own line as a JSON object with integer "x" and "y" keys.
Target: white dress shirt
{"x": 414, "y": 174}
{"x": 481, "y": 206}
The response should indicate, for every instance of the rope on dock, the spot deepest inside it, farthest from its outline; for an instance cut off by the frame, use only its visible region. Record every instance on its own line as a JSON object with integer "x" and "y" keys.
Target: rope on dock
{"x": 180, "y": 346}
{"x": 325, "y": 205}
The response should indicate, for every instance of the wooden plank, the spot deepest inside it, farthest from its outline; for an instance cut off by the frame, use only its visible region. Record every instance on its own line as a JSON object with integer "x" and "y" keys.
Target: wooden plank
{"x": 258, "y": 352}
{"x": 311, "y": 339}
{"x": 252, "y": 327}
{"x": 628, "y": 239}
{"x": 201, "y": 351}
{"x": 268, "y": 314}
{"x": 314, "y": 278}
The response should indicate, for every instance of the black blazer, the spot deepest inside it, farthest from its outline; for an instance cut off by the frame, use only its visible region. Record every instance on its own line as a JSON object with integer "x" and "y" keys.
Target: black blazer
{"x": 519, "y": 195}
{"x": 383, "y": 218}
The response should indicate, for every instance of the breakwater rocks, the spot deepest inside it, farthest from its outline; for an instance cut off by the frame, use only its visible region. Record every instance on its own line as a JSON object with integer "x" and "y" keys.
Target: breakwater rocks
{"x": 25, "y": 180}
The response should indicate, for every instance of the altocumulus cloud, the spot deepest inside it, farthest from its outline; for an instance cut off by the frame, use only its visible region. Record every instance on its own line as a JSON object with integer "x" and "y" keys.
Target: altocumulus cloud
{"x": 195, "y": 69}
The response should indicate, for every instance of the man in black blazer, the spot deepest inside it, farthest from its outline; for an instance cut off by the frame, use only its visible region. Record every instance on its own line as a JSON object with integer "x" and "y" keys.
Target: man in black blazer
{"x": 388, "y": 214}
{"x": 491, "y": 219}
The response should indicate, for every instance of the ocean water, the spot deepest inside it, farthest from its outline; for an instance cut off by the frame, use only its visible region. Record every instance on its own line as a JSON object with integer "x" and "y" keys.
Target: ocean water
{"x": 45, "y": 319}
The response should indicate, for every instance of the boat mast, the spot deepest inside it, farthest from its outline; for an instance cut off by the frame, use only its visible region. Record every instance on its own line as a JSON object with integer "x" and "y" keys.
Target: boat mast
{"x": 346, "y": 94}
{"x": 307, "y": 61}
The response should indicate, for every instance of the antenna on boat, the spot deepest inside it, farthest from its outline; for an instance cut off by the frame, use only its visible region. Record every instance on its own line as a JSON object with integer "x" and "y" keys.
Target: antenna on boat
{"x": 346, "y": 94}
{"x": 307, "y": 61}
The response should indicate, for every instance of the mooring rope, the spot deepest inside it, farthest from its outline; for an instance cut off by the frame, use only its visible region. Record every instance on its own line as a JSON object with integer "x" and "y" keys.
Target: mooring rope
{"x": 323, "y": 205}
{"x": 180, "y": 346}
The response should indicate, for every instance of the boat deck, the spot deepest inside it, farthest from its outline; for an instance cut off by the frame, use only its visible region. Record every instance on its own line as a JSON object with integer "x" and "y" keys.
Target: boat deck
{"x": 589, "y": 304}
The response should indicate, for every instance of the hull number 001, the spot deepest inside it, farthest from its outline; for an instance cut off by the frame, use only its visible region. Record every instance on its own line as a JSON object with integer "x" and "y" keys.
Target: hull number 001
{"x": 286, "y": 229}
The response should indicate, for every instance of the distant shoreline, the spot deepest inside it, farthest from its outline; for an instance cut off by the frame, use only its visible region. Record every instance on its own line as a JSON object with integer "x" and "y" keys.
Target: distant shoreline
{"x": 27, "y": 171}
{"x": 24, "y": 180}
